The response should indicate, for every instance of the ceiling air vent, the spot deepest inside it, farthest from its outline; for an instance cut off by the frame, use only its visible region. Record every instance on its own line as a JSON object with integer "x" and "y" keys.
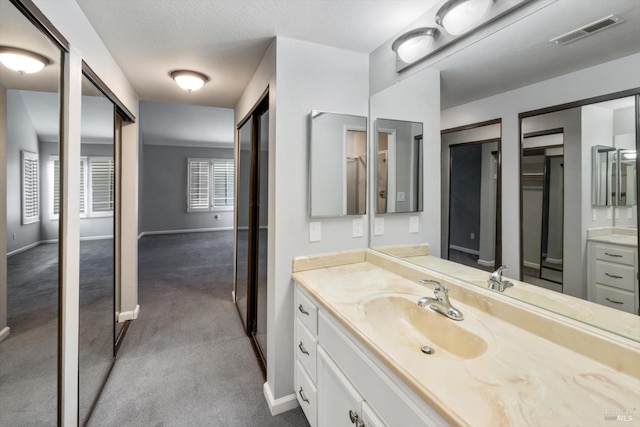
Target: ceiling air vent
{"x": 587, "y": 30}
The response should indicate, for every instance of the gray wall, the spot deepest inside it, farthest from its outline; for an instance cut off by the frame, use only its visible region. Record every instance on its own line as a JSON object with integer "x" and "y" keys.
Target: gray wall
{"x": 466, "y": 178}
{"x": 164, "y": 199}
{"x": 21, "y": 135}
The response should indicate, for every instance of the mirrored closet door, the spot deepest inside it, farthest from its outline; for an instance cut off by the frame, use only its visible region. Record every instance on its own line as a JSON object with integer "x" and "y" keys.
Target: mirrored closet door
{"x": 29, "y": 217}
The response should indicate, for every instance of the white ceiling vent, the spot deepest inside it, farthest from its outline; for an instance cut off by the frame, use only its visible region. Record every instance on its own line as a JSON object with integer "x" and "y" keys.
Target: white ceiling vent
{"x": 588, "y": 30}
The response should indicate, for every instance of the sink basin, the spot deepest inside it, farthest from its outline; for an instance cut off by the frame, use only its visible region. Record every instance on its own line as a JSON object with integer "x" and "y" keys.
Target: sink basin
{"x": 399, "y": 318}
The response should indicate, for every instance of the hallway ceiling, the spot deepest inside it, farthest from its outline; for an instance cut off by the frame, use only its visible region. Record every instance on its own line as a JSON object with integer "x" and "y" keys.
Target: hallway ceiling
{"x": 226, "y": 39}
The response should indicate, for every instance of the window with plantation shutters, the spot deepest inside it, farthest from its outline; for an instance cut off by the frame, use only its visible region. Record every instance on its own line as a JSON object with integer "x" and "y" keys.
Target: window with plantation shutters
{"x": 102, "y": 186}
{"x": 30, "y": 188}
{"x": 210, "y": 184}
{"x": 54, "y": 187}
{"x": 223, "y": 178}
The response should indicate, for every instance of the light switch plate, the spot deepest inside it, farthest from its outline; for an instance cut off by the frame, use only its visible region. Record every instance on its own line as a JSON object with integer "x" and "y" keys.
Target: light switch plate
{"x": 414, "y": 225}
{"x": 401, "y": 196}
{"x": 358, "y": 227}
{"x": 315, "y": 231}
{"x": 378, "y": 226}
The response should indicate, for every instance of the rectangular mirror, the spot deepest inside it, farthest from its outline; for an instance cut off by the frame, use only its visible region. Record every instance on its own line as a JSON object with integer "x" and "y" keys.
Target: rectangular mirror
{"x": 602, "y": 168}
{"x": 398, "y": 166}
{"x": 337, "y": 165}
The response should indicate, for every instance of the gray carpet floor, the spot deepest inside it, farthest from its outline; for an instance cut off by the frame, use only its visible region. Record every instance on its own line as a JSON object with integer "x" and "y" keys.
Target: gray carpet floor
{"x": 186, "y": 360}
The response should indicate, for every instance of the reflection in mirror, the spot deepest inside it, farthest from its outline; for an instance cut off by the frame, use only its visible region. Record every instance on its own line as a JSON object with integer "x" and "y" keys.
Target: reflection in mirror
{"x": 398, "y": 166}
{"x": 602, "y": 175}
{"x": 337, "y": 165}
{"x": 470, "y": 195}
{"x": 29, "y": 288}
{"x": 97, "y": 208}
{"x": 242, "y": 219}
{"x": 626, "y": 179}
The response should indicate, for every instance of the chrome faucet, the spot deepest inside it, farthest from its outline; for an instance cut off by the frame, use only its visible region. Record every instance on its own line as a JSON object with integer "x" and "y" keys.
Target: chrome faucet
{"x": 440, "y": 301}
{"x": 495, "y": 281}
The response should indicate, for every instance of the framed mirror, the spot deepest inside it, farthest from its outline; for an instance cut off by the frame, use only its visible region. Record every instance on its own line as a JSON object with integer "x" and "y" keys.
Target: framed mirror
{"x": 398, "y": 166}
{"x": 29, "y": 241}
{"x": 603, "y": 177}
{"x": 337, "y": 165}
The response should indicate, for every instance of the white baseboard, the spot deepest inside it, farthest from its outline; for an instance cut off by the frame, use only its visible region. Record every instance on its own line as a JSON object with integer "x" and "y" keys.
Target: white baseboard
{"x": 4, "y": 333}
{"x": 24, "y": 248}
{"x": 486, "y": 263}
{"x": 190, "y": 230}
{"x": 465, "y": 250}
{"x": 554, "y": 261}
{"x": 279, "y": 406}
{"x": 123, "y": 316}
{"x": 531, "y": 264}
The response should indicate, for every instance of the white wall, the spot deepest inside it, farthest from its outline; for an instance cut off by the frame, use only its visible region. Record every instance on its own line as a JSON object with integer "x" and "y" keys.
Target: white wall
{"x": 309, "y": 76}
{"x": 574, "y": 86}
{"x": 416, "y": 99}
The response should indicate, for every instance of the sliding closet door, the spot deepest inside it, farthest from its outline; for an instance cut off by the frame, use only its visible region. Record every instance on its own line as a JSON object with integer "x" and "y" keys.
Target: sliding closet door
{"x": 260, "y": 330}
{"x": 29, "y": 220}
{"x": 97, "y": 246}
{"x": 243, "y": 174}
{"x": 250, "y": 287}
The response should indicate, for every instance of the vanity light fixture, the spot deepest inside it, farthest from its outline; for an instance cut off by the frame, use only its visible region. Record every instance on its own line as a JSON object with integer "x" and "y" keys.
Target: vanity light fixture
{"x": 415, "y": 44}
{"x": 459, "y": 16}
{"x": 22, "y": 61}
{"x": 189, "y": 80}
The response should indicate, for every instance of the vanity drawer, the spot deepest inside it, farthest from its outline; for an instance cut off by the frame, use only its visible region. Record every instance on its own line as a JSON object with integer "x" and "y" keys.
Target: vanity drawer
{"x": 615, "y": 298}
{"x": 616, "y": 275}
{"x": 306, "y": 346}
{"x": 306, "y": 393}
{"x": 619, "y": 255}
{"x": 307, "y": 312}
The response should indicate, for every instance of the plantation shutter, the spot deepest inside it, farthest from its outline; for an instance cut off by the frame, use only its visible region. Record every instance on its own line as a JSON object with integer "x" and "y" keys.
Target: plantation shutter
{"x": 223, "y": 178}
{"x": 30, "y": 188}
{"x": 55, "y": 179}
{"x": 83, "y": 187}
{"x": 102, "y": 185}
{"x": 199, "y": 185}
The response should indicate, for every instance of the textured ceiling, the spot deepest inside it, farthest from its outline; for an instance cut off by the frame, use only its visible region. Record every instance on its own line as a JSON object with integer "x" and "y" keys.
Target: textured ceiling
{"x": 226, "y": 39}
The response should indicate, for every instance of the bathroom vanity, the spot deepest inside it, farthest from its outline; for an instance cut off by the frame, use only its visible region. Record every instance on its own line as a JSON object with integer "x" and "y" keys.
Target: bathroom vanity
{"x": 360, "y": 355}
{"x": 613, "y": 268}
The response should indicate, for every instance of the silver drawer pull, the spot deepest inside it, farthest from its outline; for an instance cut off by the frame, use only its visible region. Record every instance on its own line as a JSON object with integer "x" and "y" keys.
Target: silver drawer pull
{"x": 302, "y": 396}
{"x": 612, "y": 301}
{"x": 613, "y": 255}
{"x": 353, "y": 416}
{"x": 302, "y": 310}
{"x": 613, "y": 276}
{"x": 302, "y": 349}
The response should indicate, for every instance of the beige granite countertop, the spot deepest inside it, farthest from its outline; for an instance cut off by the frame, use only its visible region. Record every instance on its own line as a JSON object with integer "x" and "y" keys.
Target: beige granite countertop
{"x": 624, "y": 236}
{"x": 522, "y": 379}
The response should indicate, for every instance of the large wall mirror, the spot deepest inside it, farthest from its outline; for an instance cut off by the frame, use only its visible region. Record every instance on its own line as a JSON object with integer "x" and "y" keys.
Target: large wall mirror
{"x": 398, "y": 166}
{"x": 337, "y": 165}
{"x": 29, "y": 287}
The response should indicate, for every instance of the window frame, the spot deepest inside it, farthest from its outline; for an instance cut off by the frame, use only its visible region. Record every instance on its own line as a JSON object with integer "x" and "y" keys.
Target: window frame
{"x": 212, "y": 207}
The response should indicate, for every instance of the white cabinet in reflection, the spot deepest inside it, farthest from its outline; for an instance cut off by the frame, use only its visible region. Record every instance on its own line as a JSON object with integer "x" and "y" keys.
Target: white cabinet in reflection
{"x": 613, "y": 275}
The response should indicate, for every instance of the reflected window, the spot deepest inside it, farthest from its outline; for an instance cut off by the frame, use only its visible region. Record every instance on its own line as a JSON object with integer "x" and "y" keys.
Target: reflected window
{"x": 102, "y": 185}
{"x": 30, "y": 188}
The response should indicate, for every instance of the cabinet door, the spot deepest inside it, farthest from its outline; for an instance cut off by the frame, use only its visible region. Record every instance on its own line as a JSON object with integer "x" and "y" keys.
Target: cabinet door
{"x": 370, "y": 418}
{"x": 338, "y": 401}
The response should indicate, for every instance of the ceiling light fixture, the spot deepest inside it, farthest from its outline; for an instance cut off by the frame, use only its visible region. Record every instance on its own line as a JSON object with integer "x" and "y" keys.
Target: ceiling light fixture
{"x": 415, "y": 44}
{"x": 22, "y": 61}
{"x": 189, "y": 80}
{"x": 459, "y": 16}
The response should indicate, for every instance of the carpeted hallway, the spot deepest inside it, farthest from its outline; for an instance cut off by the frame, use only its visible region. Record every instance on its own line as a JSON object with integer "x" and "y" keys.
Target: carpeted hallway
{"x": 186, "y": 360}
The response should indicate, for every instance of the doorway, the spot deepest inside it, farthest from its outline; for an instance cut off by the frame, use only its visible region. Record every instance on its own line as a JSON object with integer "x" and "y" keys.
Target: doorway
{"x": 251, "y": 227}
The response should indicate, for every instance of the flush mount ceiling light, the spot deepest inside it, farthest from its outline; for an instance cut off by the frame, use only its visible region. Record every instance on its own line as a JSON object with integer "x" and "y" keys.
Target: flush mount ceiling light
{"x": 415, "y": 44}
{"x": 189, "y": 80}
{"x": 459, "y": 16}
{"x": 22, "y": 61}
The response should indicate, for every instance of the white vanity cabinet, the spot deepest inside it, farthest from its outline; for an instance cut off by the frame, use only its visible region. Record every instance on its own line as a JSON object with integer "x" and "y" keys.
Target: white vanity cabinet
{"x": 348, "y": 385}
{"x": 612, "y": 275}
